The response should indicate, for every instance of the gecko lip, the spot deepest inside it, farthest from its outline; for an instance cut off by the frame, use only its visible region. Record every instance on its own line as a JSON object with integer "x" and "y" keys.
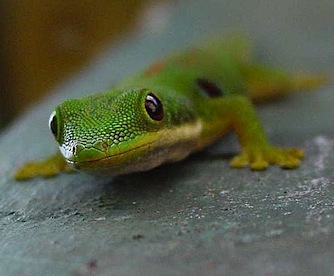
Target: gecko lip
{"x": 106, "y": 157}
{"x": 136, "y": 159}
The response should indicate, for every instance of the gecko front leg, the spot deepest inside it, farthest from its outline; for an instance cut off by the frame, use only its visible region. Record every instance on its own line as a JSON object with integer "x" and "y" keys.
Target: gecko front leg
{"x": 256, "y": 151}
{"x": 49, "y": 167}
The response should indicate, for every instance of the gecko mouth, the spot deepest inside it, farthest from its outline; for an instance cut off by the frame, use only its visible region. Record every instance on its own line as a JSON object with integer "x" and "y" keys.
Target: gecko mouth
{"x": 150, "y": 151}
{"x": 106, "y": 157}
{"x": 81, "y": 157}
{"x": 140, "y": 158}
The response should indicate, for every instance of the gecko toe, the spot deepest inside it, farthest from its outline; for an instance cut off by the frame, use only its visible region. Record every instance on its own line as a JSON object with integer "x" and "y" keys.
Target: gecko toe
{"x": 259, "y": 165}
{"x": 239, "y": 161}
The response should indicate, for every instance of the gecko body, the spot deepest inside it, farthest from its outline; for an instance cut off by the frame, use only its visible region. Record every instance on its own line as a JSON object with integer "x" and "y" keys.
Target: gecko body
{"x": 177, "y": 106}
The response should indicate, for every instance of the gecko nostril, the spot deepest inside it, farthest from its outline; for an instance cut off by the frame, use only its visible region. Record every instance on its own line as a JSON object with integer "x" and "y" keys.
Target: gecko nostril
{"x": 105, "y": 145}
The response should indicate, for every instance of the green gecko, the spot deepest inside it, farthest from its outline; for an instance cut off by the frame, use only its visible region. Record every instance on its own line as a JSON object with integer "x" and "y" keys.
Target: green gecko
{"x": 177, "y": 106}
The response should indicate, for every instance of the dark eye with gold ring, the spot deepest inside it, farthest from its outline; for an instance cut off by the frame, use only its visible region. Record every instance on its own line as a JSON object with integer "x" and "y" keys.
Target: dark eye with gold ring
{"x": 53, "y": 124}
{"x": 154, "y": 107}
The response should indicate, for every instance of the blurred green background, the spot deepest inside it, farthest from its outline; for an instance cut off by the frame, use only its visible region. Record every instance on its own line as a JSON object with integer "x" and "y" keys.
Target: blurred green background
{"x": 45, "y": 41}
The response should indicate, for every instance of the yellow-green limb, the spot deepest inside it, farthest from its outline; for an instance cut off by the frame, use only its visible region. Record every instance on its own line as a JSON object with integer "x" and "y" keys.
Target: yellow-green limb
{"x": 49, "y": 167}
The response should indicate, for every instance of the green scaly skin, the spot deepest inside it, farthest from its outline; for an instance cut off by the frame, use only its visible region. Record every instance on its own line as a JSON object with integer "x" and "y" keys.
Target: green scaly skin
{"x": 177, "y": 106}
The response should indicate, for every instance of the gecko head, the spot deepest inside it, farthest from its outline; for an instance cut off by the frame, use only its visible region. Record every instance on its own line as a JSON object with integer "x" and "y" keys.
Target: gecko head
{"x": 116, "y": 131}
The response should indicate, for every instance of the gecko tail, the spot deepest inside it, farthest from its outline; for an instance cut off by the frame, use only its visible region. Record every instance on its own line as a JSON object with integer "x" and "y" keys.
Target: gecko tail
{"x": 304, "y": 81}
{"x": 264, "y": 84}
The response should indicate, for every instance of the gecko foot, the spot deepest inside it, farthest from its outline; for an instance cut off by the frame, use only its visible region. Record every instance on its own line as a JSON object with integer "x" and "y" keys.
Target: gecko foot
{"x": 46, "y": 168}
{"x": 260, "y": 159}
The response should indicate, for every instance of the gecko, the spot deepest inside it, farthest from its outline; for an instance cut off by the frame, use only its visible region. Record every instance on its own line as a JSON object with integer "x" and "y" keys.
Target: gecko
{"x": 179, "y": 105}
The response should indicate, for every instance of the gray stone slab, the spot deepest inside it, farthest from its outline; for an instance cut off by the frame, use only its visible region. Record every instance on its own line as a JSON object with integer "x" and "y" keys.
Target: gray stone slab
{"x": 198, "y": 216}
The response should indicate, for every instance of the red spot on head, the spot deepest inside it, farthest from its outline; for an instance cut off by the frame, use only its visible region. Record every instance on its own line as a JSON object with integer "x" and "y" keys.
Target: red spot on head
{"x": 154, "y": 69}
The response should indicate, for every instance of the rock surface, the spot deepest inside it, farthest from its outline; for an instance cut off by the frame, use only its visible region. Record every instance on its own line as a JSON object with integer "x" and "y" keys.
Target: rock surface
{"x": 196, "y": 217}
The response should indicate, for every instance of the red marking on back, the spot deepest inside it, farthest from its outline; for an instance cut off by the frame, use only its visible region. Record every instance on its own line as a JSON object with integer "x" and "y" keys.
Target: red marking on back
{"x": 154, "y": 69}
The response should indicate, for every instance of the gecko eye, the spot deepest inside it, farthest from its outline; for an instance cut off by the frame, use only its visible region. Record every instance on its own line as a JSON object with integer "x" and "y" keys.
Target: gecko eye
{"x": 154, "y": 107}
{"x": 53, "y": 125}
